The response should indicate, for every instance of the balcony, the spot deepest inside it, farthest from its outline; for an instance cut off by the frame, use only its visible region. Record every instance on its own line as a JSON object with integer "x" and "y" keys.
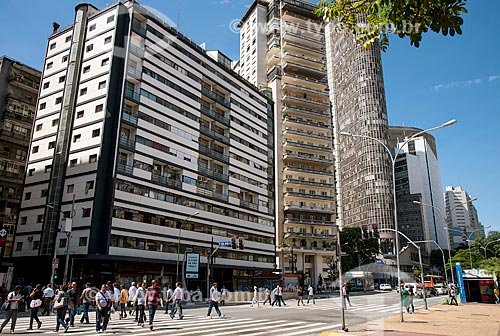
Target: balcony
{"x": 318, "y": 236}
{"x": 213, "y": 173}
{"x": 305, "y": 122}
{"x": 288, "y": 45}
{"x": 290, "y": 108}
{"x": 127, "y": 143}
{"x": 309, "y": 208}
{"x": 304, "y": 40}
{"x": 317, "y": 148}
{"x": 19, "y": 117}
{"x": 308, "y": 183}
{"x": 304, "y": 69}
{"x": 301, "y": 169}
{"x": 24, "y": 82}
{"x": 309, "y": 101}
{"x": 214, "y": 115}
{"x": 307, "y": 134}
{"x": 129, "y": 119}
{"x": 132, "y": 95}
{"x": 133, "y": 72}
{"x": 301, "y": 89}
{"x": 305, "y": 195}
{"x": 216, "y": 97}
{"x": 214, "y": 135}
{"x": 300, "y": 58}
{"x": 309, "y": 222}
{"x": 136, "y": 50}
{"x": 249, "y": 205}
{"x": 166, "y": 182}
{"x": 137, "y": 28}
{"x": 12, "y": 175}
{"x": 11, "y": 135}
{"x": 213, "y": 194}
{"x": 310, "y": 158}
{"x": 125, "y": 169}
{"x": 214, "y": 154}
{"x": 298, "y": 79}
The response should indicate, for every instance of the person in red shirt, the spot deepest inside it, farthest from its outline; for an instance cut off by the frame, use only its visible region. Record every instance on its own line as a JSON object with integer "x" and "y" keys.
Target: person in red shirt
{"x": 153, "y": 295}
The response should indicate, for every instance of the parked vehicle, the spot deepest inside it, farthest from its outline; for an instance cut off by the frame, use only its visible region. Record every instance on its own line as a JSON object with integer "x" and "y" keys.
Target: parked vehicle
{"x": 385, "y": 287}
{"x": 441, "y": 289}
{"x": 429, "y": 291}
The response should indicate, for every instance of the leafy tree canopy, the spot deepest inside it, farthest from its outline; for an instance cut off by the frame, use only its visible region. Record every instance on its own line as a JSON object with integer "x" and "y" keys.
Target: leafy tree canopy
{"x": 359, "y": 251}
{"x": 374, "y": 20}
{"x": 463, "y": 257}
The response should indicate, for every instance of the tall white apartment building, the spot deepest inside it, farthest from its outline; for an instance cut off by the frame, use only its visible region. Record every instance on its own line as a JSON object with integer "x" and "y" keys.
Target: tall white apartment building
{"x": 463, "y": 220}
{"x": 290, "y": 65}
{"x": 143, "y": 128}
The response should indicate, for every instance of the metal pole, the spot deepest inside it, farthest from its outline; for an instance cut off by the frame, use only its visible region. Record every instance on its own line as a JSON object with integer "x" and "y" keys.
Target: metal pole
{"x": 470, "y": 252}
{"x": 339, "y": 267}
{"x": 422, "y": 278}
{"x": 68, "y": 236}
{"x": 179, "y": 245}
{"x": 71, "y": 269}
{"x": 449, "y": 256}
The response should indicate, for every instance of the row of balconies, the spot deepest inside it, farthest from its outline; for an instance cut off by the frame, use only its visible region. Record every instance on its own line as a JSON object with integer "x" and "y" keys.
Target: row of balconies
{"x": 311, "y": 158}
{"x": 155, "y": 178}
{"x": 306, "y": 195}
{"x": 304, "y": 110}
{"x": 311, "y": 101}
{"x": 292, "y": 45}
{"x": 216, "y": 97}
{"x": 306, "y": 89}
{"x": 211, "y": 133}
{"x": 214, "y": 154}
{"x": 308, "y": 183}
{"x": 213, "y": 173}
{"x": 14, "y": 135}
{"x": 214, "y": 115}
{"x": 309, "y": 208}
{"x": 309, "y": 222}
{"x": 28, "y": 83}
{"x": 319, "y": 73}
{"x": 320, "y": 62}
{"x": 301, "y": 121}
{"x": 307, "y": 134}
{"x": 19, "y": 117}
{"x": 301, "y": 169}
{"x": 289, "y": 143}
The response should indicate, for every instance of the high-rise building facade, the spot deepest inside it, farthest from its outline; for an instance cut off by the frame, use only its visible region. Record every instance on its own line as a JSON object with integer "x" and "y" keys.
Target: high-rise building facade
{"x": 418, "y": 178}
{"x": 138, "y": 128}
{"x": 19, "y": 86}
{"x": 462, "y": 221}
{"x": 295, "y": 74}
{"x": 363, "y": 167}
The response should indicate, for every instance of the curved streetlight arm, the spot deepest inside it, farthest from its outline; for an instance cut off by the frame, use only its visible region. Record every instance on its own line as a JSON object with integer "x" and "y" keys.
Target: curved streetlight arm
{"x": 179, "y": 244}
{"x": 442, "y": 253}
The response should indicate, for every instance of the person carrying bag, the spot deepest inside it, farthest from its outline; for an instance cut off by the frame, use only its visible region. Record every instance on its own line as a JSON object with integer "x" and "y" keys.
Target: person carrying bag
{"x": 13, "y": 299}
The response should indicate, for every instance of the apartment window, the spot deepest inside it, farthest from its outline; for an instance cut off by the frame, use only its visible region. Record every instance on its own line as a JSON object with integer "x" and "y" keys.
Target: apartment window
{"x": 53, "y": 46}
{"x": 73, "y": 163}
{"x": 99, "y": 108}
{"x": 93, "y": 158}
{"x": 27, "y": 196}
{"x": 85, "y": 212}
{"x": 110, "y": 19}
{"x": 62, "y": 242}
{"x": 55, "y": 122}
{"x": 68, "y": 38}
{"x": 34, "y": 149}
{"x": 39, "y": 127}
{"x": 24, "y": 220}
{"x": 89, "y": 186}
{"x": 96, "y": 133}
{"x": 65, "y": 58}
{"x": 107, "y": 40}
{"x": 70, "y": 188}
{"x": 77, "y": 138}
{"x": 31, "y": 172}
{"x": 83, "y": 91}
{"x": 49, "y": 65}
{"x": 36, "y": 245}
{"x": 47, "y": 168}
{"x": 90, "y": 47}
{"x": 52, "y": 144}
{"x": 86, "y": 69}
{"x": 44, "y": 193}
{"x": 62, "y": 79}
{"x": 58, "y": 100}
{"x": 102, "y": 85}
{"x": 92, "y": 27}
{"x": 19, "y": 246}
{"x": 46, "y": 85}
{"x": 105, "y": 62}
{"x": 79, "y": 114}
{"x": 82, "y": 241}
{"x": 43, "y": 106}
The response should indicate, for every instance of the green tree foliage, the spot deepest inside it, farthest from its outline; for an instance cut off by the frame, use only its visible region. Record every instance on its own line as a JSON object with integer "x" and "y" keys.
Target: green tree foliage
{"x": 492, "y": 266}
{"x": 374, "y": 20}
{"x": 359, "y": 251}
{"x": 463, "y": 258}
{"x": 490, "y": 243}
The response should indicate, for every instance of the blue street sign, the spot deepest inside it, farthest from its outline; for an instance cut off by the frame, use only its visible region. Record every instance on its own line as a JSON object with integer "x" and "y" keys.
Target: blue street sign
{"x": 225, "y": 244}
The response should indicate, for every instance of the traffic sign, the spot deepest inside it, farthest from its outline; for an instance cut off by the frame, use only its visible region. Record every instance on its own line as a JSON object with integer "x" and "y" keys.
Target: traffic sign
{"x": 191, "y": 275}
{"x": 225, "y": 243}
{"x": 3, "y": 233}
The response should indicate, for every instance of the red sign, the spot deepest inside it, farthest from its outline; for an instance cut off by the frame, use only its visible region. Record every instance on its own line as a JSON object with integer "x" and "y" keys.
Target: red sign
{"x": 3, "y": 240}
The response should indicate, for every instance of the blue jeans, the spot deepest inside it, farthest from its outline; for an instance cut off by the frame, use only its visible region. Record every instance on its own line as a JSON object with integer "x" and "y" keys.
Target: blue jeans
{"x": 213, "y": 304}
{"x": 61, "y": 314}
{"x": 104, "y": 314}
{"x": 177, "y": 305}
{"x": 85, "y": 315}
{"x": 152, "y": 312}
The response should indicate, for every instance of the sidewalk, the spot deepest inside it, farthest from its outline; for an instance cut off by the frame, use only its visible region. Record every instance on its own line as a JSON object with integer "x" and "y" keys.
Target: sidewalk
{"x": 443, "y": 320}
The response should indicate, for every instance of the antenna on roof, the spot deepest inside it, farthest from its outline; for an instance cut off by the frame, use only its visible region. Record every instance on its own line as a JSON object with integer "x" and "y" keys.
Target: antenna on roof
{"x": 55, "y": 26}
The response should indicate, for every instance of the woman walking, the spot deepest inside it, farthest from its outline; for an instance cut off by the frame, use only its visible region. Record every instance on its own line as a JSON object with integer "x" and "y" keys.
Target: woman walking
{"x": 123, "y": 302}
{"x": 14, "y": 298}
{"x": 61, "y": 306}
{"x": 299, "y": 296}
{"x": 36, "y": 296}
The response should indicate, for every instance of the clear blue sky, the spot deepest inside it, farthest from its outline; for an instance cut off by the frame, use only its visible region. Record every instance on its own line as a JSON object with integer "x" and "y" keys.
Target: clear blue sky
{"x": 445, "y": 78}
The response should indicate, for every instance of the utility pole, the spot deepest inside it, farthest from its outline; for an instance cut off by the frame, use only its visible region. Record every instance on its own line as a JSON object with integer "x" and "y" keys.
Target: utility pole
{"x": 67, "y": 228}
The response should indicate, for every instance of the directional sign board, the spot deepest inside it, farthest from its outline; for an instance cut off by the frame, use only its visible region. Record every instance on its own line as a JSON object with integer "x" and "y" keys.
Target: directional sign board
{"x": 225, "y": 243}
{"x": 3, "y": 233}
{"x": 192, "y": 276}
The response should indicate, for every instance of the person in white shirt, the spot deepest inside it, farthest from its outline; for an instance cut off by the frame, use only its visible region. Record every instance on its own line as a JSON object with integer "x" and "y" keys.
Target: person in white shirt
{"x": 255, "y": 296}
{"x": 132, "y": 290}
{"x": 223, "y": 293}
{"x": 103, "y": 304}
{"x": 176, "y": 299}
{"x": 48, "y": 295}
{"x": 14, "y": 298}
{"x": 310, "y": 294}
{"x": 214, "y": 301}
{"x": 140, "y": 303}
{"x": 116, "y": 296}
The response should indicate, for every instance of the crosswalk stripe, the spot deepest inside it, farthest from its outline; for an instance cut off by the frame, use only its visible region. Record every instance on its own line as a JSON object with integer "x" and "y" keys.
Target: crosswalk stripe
{"x": 267, "y": 325}
{"x": 226, "y": 324}
{"x": 314, "y": 330}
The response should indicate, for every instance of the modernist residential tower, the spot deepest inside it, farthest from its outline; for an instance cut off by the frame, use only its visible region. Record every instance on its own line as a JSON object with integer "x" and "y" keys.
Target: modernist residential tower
{"x": 142, "y": 128}
{"x": 282, "y": 51}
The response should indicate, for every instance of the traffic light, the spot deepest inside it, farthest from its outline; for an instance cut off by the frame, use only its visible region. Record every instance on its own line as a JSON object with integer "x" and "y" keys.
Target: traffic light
{"x": 364, "y": 232}
{"x": 55, "y": 274}
{"x": 233, "y": 243}
{"x": 375, "y": 231}
{"x": 240, "y": 243}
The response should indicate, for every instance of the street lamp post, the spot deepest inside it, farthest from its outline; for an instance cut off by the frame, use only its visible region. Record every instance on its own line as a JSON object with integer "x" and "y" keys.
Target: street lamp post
{"x": 446, "y": 217}
{"x": 179, "y": 243}
{"x": 469, "y": 242}
{"x": 442, "y": 252}
{"x": 393, "y": 160}
{"x": 285, "y": 237}
{"x": 485, "y": 246}
{"x": 67, "y": 229}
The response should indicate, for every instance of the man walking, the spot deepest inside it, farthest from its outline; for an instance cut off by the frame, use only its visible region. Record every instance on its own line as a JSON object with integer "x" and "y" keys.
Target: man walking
{"x": 153, "y": 295}
{"x": 86, "y": 299}
{"x": 74, "y": 302}
{"x": 277, "y": 296}
{"x": 132, "y": 290}
{"x": 310, "y": 294}
{"x": 345, "y": 293}
{"x": 168, "y": 299}
{"x": 453, "y": 295}
{"x": 255, "y": 296}
{"x": 214, "y": 301}
{"x": 176, "y": 299}
{"x": 48, "y": 296}
{"x": 139, "y": 303}
{"x": 268, "y": 296}
{"x": 103, "y": 305}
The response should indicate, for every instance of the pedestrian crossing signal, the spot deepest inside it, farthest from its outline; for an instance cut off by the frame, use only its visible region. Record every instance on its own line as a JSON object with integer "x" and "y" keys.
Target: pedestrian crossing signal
{"x": 240, "y": 243}
{"x": 375, "y": 231}
{"x": 233, "y": 243}
{"x": 364, "y": 232}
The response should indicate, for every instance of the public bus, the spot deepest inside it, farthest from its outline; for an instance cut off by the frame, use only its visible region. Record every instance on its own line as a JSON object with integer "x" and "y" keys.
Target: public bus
{"x": 432, "y": 280}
